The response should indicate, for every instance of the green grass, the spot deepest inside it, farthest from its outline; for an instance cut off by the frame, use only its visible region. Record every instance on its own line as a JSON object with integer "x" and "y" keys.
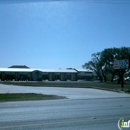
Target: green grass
{"x": 84, "y": 84}
{"x": 27, "y": 97}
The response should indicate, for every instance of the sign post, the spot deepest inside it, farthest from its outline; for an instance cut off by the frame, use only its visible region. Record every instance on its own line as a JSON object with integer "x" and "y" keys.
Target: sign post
{"x": 122, "y": 65}
{"x": 122, "y": 79}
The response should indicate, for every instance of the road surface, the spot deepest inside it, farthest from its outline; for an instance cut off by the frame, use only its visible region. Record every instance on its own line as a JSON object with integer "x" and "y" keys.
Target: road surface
{"x": 65, "y": 114}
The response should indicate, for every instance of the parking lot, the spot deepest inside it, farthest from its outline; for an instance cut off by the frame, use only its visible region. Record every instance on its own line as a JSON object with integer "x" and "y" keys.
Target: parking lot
{"x": 70, "y": 93}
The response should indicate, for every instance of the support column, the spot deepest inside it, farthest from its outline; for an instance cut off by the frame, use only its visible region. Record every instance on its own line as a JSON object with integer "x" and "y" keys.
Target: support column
{"x": 51, "y": 76}
{"x": 73, "y": 77}
{"x": 30, "y": 76}
{"x": 3, "y": 76}
{"x": 63, "y": 77}
{"x": 16, "y": 76}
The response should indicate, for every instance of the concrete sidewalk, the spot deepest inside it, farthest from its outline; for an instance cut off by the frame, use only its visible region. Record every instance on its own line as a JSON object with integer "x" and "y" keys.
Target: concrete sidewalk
{"x": 71, "y": 93}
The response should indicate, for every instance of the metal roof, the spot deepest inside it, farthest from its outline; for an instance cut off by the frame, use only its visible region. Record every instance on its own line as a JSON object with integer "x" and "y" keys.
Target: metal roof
{"x": 84, "y": 70}
{"x": 19, "y": 66}
{"x": 31, "y": 70}
{"x": 59, "y": 70}
{"x": 15, "y": 70}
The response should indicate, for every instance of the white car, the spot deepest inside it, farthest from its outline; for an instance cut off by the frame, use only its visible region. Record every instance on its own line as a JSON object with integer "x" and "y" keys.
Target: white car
{"x": 127, "y": 78}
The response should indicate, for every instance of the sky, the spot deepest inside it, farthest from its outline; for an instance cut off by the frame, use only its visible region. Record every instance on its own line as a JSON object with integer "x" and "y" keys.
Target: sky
{"x": 60, "y": 34}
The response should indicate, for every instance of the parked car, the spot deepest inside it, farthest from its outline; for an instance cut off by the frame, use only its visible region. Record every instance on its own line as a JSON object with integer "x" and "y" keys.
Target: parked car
{"x": 115, "y": 79}
{"x": 127, "y": 79}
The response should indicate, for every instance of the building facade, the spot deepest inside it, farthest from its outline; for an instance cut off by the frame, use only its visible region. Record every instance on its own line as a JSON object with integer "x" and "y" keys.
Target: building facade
{"x": 24, "y": 73}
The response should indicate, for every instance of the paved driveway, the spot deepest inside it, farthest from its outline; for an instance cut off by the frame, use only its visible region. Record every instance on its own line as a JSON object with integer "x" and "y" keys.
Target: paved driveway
{"x": 71, "y": 93}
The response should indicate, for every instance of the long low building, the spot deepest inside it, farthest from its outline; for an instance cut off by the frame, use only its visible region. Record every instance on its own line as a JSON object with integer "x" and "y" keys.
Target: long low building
{"x": 21, "y": 73}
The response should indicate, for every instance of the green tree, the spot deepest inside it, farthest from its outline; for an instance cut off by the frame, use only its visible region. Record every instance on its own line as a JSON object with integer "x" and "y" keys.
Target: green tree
{"x": 95, "y": 65}
{"x": 108, "y": 56}
{"x": 102, "y": 62}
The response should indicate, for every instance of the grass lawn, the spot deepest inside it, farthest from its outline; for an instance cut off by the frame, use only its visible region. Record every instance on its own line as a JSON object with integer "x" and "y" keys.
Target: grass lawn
{"x": 27, "y": 97}
{"x": 76, "y": 84}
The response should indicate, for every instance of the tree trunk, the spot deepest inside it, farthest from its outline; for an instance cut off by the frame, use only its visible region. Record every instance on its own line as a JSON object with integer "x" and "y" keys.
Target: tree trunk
{"x": 119, "y": 80}
{"x": 112, "y": 77}
{"x": 105, "y": 79}
{"x": 104, "y": 75}
{"x": 101, "y": 79}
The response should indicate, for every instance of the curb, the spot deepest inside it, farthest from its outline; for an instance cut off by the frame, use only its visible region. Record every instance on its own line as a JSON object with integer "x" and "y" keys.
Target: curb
{"x": 119, "y": 91}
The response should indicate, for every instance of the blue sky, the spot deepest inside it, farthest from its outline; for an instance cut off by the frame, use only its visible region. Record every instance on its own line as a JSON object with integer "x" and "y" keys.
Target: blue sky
{"x": 61, "y": 34}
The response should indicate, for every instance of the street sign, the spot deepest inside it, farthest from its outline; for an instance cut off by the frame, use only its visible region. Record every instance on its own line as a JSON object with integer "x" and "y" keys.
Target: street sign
{"x": 121, "y": 64}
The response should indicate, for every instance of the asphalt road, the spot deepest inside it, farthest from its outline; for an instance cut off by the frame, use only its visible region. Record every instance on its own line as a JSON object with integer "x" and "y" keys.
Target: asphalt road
{"x": 66, "y": 114}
